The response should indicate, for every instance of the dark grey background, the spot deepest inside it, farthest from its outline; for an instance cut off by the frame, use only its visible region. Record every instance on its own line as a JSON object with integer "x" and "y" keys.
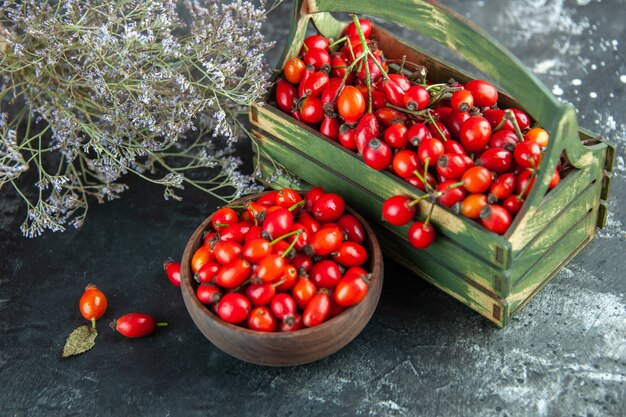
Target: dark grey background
{"x": 423, "y": 353}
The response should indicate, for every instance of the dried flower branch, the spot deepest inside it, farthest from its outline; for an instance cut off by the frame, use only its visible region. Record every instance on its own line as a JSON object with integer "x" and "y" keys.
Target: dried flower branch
{"x": 108, "y": 88}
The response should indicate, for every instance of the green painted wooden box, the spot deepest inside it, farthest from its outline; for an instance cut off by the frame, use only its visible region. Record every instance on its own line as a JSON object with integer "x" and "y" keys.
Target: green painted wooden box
{"x": 494, "y": 275}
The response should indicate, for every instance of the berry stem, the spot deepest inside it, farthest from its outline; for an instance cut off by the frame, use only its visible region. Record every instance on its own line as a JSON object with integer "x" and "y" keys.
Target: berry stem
{"x": 365, "y": 48}
{"x": 286, "y": 235}
{"x": 456, "y": 185}
{"x": 430, "y": 213}
{"x": 93, "y": 322}
{"x": 417, "y": 200}
{"x": 337, "y": 42}
{"x": 295, "y": 206}
{"x": 527, "y": 186}
{"x": 418, "y": 113}
{"x": 508, "y": 114}
{"x": 237, "y": 288}
{"x": 281, "y": 282}
{"x": 162, "y": 324}
{"x": 432, "y": 120}
{"x": 292, "y": 244}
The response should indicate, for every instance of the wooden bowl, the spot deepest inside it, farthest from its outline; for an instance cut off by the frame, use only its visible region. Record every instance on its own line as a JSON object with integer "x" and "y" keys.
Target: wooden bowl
{"x": 290, "y": 348}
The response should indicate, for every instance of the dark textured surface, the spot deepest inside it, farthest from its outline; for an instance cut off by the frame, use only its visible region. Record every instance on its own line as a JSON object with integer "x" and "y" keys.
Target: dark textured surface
{"x": 423, "y": 353}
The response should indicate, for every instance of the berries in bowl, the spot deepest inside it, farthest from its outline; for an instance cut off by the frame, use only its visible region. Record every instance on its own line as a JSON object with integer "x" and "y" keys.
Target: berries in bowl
{"x": 282, "y": 278}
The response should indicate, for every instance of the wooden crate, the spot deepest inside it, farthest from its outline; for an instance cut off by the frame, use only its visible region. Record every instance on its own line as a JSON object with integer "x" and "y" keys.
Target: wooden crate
{"x": 494, "y": 275}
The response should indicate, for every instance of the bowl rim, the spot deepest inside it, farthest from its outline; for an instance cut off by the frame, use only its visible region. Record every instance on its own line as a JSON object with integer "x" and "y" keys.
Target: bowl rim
{"x": 187, "y": 288}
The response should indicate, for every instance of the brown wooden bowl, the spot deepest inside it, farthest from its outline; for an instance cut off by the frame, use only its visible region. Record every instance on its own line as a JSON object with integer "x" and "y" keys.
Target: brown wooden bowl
{"x": 290, "y": 348}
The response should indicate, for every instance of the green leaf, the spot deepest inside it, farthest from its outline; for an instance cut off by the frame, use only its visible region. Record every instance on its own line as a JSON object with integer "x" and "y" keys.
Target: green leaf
{"x": 82, "y": 339}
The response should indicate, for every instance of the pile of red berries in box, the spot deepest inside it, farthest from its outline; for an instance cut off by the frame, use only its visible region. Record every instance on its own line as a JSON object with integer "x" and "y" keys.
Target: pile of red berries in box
{"x": 282, "y": 262}
{"x": 449, "y": 140}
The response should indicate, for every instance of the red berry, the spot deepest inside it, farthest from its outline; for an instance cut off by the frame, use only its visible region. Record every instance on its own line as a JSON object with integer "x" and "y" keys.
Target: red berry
{"x": 93, "y": 303}
{"x": 208, "y": 293}
{"x": 316, "y": 312}
{"x": 483, "y": 92}
{"x": 397, "y": 211}
{"x": 352, "y": 228}
{"x": 495, "y": 218}
{"x": 377, "y": 154}
{"x": 416, "y": 98}
{"x": 283, "y": 306}
{"x": 233, "y": 308}
{"x": 325, "y": 274}
{"x": 262, "y": 320}
{"x": 136, "y": 325}
{"x": 421, "y": 235}
{"x": 172, "y": 270}
{"x": 475, "y": 134}
{"x": 329, "y": 207}
{"x": 352, "y": 288}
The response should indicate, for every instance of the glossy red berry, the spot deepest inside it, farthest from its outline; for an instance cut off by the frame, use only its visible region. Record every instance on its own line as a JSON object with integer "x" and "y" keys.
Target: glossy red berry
{"x": 312, "y": 196}
{"x": 416, "y": 98}
{"x": 226, "y": 252}
{"x": 206, "y": 274}
{"x": 233, "y": 308}
{"x": 405, "y": 162}
{"x": 311, "y": 110}
{"x": 329, "y": 207}
{"x": 502, "y": 187}
{"x": 277, "y": 222}
{"x": 462, "y": 100}
{"x": 318, "y": 58}
{"x": 93, "y": 303}
{"x": 528, "y": 154}
{"x": 396, "y": 136}
{"x": 352, "y": 228}
{"x": 270, "y": 268}
{"x": 316, "y": 41}
{"x": 291, "y": 324}
{"x": 495, "y": 218}
{"x": 450, "y": 193}
{"x": 317, "y": 310}
{"x": 417, "y": 133}
{"x": 475, "y": 134}
{"x": 498, "y": 160}
{"x": 421, "y": 235}
{"x": 483, "y": 92}
{"x": 429, "y": 151}
{"x": 377, "y": 154}
{"x": 451, "y": 166}
{"x": 324, "y": 241}
{"x": 351, "y": 104}
{"x": 366, "y": 29}
{"x": 513, "y": 204}
{"x": 262, "y": 320}
{"x": 223, "y": 218}
{"x": 233, "y": 274}
{"x": 397, "y": 210}
{"x": 172, "y": 270}
{"x": 260, "y": 294}
{"x": 303, "y": 291}
{"x": 208, "y": 294}
{"x": 136, "y": 325}
{"x": 283, "y": 306}
{"x": 286, "y": 95}
{"x": 350, "y": 254}
{"x": 325, "y": 274}
{"x": 352, "y": 288}
{"x": 477, "y": 179}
